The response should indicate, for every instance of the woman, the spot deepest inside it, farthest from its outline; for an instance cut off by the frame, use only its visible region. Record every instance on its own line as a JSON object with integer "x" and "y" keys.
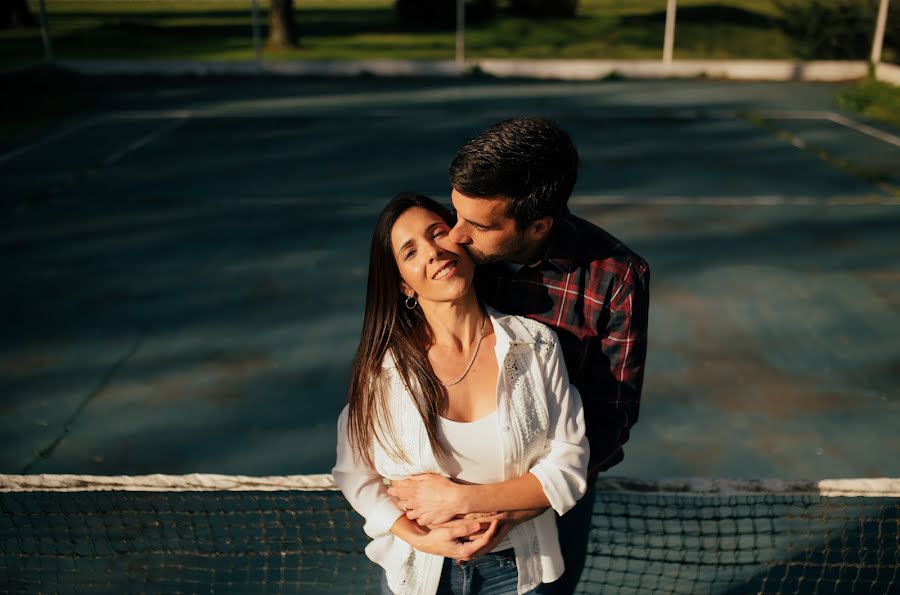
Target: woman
{"x": 444, "y": 387}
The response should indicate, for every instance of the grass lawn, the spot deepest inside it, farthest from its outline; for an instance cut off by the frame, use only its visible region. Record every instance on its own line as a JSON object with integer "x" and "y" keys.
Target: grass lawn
{"x": 359, "y": 29}
{"x": 873, "y": 99}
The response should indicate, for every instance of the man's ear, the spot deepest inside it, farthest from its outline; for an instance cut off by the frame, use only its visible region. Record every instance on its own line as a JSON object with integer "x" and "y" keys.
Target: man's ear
{"x": 539, "y": 229}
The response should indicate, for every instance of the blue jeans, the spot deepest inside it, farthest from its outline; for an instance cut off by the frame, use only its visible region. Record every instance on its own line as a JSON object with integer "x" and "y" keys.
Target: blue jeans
{"x": 491, "y": 574}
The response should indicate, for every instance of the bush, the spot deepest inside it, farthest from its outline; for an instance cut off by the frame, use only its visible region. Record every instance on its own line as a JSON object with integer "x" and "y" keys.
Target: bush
{"x": 543, "y": 8}
{"x": 442, "y": 13}
{"x": 836, "y": 29}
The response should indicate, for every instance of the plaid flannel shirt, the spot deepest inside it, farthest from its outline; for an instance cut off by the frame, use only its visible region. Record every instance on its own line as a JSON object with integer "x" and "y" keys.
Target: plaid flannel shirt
{"x": 594, "y": 292}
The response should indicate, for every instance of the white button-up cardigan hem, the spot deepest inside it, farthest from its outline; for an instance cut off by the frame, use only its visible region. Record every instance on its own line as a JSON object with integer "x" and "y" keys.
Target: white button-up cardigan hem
{"x": 541, "y": 426}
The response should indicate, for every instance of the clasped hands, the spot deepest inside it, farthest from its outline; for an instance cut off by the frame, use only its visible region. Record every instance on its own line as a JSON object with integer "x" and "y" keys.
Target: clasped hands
{"x": 451, "y": 525}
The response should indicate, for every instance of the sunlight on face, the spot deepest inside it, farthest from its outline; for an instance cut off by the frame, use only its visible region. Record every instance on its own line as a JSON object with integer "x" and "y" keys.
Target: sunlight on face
{"x": 485, "y": 229}
{"x": 433, "y": 267}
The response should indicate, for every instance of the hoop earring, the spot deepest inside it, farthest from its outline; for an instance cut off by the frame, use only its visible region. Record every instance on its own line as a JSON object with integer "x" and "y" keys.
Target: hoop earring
{"x": 414, "y": 303}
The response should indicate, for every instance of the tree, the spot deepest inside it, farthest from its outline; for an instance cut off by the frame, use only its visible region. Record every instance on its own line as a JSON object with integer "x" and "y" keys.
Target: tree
{"x": 544, "y": 8}
{"x": 15, "y": 13}
{"x": 442, "y": 13}
{"x": 282, "y": 33}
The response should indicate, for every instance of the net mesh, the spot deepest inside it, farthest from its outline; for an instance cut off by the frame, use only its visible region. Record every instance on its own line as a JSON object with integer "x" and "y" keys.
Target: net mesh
{"x": 298, "y": 536}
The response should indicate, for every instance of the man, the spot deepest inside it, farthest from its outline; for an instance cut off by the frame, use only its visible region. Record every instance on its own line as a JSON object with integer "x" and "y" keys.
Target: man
{"x": 511, "y": 185}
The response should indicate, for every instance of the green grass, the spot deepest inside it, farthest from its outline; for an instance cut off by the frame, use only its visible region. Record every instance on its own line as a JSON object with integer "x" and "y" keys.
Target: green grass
{"x": 873, "y": 99}
{"x": 361, "y": 29}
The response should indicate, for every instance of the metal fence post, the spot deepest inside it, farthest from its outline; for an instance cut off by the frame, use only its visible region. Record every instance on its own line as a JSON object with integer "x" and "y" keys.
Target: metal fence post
{"x": 880, "y": 25}
{"x": 669, "y": 41}
{"x": 254, "y": 18}
{"x": 460, "y": 33}
{"x": 45, "y": 32}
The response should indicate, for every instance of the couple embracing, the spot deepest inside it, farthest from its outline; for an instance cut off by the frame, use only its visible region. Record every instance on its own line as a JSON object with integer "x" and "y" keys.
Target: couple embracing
{"x": 499, "y": 371}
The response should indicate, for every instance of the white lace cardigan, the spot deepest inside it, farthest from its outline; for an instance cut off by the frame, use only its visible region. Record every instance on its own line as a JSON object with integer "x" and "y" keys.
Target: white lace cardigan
{"x": 541, "y": 426}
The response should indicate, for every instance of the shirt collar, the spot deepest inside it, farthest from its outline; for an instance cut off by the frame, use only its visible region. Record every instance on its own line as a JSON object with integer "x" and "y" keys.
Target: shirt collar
{"x": 509, "y": 332}
{"x": 562, "y": 245}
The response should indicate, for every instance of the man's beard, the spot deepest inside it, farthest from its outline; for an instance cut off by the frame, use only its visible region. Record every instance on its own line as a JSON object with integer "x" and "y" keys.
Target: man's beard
{"x": 510, "y": 251}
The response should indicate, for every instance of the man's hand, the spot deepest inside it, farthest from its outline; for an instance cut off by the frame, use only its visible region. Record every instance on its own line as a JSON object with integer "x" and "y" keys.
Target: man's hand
{"x": 507, "y": 520}
{"x": 429, "y": 499}
{"x": 459, "y": 540}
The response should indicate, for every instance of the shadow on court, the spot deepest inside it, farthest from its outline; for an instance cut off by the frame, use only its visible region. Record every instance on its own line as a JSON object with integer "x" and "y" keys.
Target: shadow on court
{"x": 185, "y": 267}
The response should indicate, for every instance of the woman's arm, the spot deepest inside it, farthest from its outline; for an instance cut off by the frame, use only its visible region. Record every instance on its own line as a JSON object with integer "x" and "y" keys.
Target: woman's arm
{"x": 557, "y": 479}
{"x": 362, "y": 486}
{"x": 562, "y": 470}
{"x": 365, "y": 490}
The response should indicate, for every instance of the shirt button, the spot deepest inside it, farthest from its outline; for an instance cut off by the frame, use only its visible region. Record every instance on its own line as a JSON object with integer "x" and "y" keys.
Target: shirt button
{"x": 504, "y": 428}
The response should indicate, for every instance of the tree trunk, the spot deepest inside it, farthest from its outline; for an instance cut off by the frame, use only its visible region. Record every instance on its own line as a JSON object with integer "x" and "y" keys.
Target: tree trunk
{"x": 15, "y": 13}
{"x": 281, "y": 24}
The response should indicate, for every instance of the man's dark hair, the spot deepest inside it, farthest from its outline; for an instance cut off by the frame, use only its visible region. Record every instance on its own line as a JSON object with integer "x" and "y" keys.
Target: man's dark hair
{"x": 530, "y": 161}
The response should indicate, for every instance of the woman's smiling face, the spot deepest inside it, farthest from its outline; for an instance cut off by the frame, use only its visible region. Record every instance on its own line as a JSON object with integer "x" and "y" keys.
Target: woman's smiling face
{"x": 432, "y": 267}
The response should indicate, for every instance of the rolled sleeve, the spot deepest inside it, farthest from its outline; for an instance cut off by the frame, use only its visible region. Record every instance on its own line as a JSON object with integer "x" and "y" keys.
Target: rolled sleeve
{"x": 562, "y": 469}
{"x": 362, "y": 486}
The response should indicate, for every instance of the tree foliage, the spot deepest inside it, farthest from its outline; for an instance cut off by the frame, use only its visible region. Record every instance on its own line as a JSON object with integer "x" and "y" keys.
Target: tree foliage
{"x": 442, "y": 13}
{"x": 544, "y": 8}
{"x": 15, "y": 13}
{"x": 836, "y": 29}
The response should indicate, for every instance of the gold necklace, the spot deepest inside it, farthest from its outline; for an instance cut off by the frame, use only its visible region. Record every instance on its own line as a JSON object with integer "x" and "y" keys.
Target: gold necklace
{"x": 471, "y": 361}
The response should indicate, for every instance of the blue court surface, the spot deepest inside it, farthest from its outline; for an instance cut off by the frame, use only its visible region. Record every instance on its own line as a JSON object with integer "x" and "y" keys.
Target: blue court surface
{"x": 184, "y": 269}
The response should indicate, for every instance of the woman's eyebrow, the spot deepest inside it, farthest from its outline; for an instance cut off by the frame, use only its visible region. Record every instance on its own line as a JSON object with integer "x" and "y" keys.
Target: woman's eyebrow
{"x": 406, "y": 245}
{"x": 412, "y": 241}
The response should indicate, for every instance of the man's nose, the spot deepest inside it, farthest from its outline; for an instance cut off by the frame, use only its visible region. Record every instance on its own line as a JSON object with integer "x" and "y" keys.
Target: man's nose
{"x": 458, "y": 236}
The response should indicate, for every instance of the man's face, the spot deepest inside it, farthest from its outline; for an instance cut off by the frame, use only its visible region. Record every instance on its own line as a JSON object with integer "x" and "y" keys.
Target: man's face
{"x": 484, "y": 228}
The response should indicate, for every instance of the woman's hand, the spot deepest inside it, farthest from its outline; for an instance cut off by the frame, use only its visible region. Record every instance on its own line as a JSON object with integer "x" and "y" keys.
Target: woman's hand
{"x": 429, "y": 499}
{"x": 459, "y": 539}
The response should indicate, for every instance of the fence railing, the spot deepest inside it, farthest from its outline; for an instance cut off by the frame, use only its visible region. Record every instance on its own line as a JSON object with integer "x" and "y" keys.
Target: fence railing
{"x": 234, "y": 31}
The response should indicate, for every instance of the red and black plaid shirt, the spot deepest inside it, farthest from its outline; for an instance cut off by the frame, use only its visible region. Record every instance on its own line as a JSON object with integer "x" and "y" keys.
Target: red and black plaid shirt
{"x": 594, "y": 292}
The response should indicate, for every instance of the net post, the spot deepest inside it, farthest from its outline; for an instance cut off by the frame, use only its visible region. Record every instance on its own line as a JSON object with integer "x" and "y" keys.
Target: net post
{"x": 880, "y": 24}
{"x": 45, "y": 32}
{"x": 460, "y": 33}
{"x": 669, "y": 41}
{"x": 254, "y": 19}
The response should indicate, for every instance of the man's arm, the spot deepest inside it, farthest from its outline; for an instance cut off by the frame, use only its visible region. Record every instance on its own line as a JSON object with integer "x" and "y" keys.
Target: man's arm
{"x": 612, "y": 392}
{"x": 434, "y": 499}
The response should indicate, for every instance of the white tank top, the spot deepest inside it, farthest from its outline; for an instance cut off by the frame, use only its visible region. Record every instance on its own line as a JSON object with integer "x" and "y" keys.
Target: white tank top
{"x": 475, "y": 455}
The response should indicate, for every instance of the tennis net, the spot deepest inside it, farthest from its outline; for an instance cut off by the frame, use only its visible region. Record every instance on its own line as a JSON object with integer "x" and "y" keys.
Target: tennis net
{"x": 296, "y": 534}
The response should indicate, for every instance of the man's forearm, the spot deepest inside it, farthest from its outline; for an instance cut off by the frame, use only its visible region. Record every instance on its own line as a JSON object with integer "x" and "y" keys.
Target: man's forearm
{"x": 523, "y": 493}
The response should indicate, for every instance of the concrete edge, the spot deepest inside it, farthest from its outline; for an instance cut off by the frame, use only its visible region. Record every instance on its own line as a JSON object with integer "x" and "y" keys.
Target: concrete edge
{"x": 750, "y": 70}
{"x": 888, "y": 73}
{"x": 201, "y": 482}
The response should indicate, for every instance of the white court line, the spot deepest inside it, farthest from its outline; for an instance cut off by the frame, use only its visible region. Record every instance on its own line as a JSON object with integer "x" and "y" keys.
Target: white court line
{"x": 696, "y": 114}
{"x": 686, "y": 114}
{"x": 731, "y": 201}
{"x": 577, "y": 200}
{"x": 49, "y": 139}
{"x": 144, "y": 140}
{"x": 865, "y": 129}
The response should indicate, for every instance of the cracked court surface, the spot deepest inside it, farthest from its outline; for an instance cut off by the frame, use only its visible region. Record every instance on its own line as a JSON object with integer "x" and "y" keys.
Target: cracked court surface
{"x": 185, "y": 268}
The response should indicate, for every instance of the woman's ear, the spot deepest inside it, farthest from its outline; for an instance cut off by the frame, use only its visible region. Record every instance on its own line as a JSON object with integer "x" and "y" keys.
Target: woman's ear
{"x": 407, "y": 290}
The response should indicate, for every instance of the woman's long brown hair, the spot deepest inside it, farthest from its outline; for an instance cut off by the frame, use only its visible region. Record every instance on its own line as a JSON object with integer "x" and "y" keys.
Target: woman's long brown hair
{"x": 388, "y": 325}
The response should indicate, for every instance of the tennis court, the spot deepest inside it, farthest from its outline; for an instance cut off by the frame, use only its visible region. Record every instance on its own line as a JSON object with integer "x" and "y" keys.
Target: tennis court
{"x": 185, "y": 269}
